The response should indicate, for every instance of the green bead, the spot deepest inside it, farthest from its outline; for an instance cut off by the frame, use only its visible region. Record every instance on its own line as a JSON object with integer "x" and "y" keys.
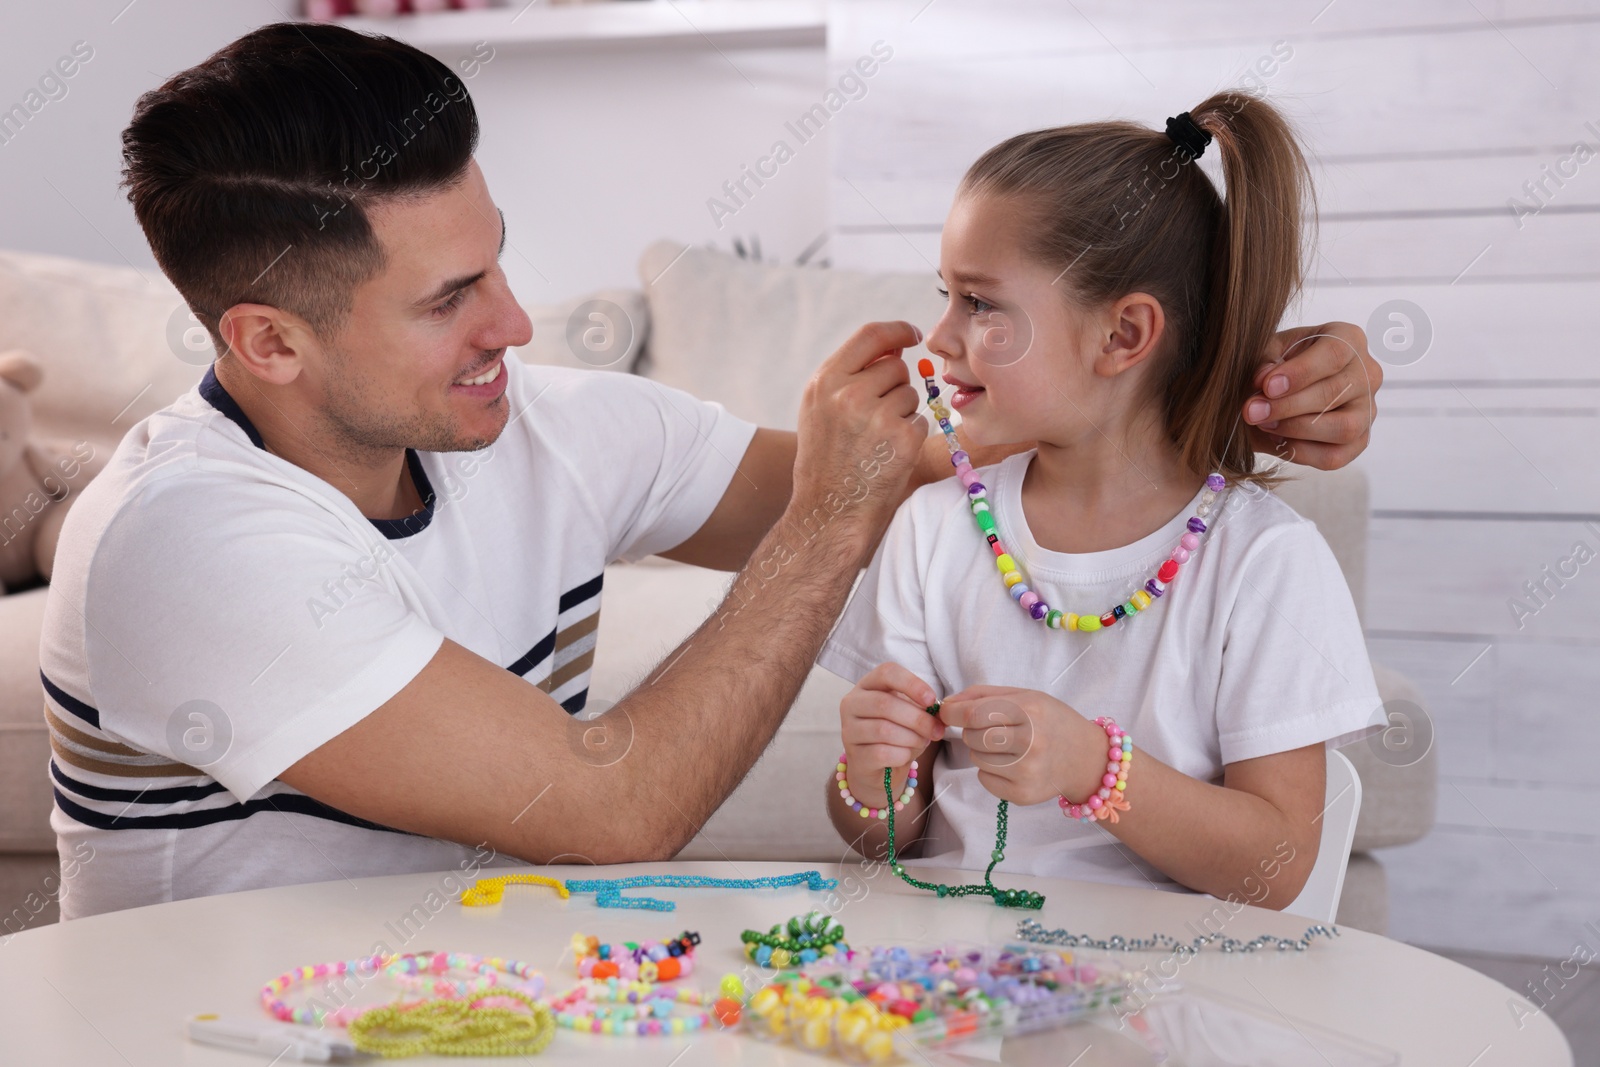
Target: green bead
{"x": 1130, "y": 607}
{"x": 997, "y": 855}
{"x": 899, "y": 870}
{"x": 941, "y": 889}
{"x": 1051, "y": 620}
{"x": 985, "y": 522}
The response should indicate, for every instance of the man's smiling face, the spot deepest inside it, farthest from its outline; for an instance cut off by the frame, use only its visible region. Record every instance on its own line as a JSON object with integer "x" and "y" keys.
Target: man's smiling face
{"x": 418, "y": 362}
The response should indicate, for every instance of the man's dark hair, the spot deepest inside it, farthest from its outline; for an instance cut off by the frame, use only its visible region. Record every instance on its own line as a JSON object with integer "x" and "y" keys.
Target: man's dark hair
{"x": 251, "y": 172}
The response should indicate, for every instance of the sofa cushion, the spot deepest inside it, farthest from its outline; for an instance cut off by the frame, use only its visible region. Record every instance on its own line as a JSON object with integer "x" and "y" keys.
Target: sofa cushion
{"x": 749, "y": 335}
{"x": 116, "y": 343}
{"x": 1399, "y": 791}
{"x": 605, "y": 330}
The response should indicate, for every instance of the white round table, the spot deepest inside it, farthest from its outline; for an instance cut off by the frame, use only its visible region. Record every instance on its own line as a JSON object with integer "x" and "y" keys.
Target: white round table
{"x": 117, "y": 988}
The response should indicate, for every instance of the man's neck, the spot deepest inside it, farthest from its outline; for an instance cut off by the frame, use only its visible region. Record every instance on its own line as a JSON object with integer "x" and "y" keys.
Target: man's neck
{"x": 378, "y": 482}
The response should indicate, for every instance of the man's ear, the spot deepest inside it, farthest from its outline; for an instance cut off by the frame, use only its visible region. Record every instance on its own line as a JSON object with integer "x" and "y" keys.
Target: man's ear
{"x": 1132, "y": 329}
{"x": 268, "y": 341}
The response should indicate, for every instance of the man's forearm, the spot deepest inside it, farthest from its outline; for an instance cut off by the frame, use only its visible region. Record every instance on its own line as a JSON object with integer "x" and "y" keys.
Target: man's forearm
{"x": 712, "y": 706}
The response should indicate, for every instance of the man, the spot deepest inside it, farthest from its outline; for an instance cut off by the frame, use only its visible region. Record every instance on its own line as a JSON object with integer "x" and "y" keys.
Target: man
{"x": 330, "y": 614}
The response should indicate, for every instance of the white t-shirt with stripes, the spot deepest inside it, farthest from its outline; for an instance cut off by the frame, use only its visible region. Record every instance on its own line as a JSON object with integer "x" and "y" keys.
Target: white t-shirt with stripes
{"x": 217, "y": 613}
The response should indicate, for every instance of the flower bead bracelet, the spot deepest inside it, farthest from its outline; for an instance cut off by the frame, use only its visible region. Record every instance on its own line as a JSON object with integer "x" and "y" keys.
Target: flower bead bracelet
{"x": 1110, "y": 798}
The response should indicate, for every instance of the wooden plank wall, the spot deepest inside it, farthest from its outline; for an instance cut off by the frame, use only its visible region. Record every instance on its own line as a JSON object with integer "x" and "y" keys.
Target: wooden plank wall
{"x": 1425, "y": 120}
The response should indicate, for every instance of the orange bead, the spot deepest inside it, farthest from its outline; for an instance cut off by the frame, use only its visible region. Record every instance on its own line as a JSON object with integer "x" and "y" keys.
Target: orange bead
{"x": 604, "y": 969}
{"x": 726, "y": 1010}
{"x": 667, "y": 969}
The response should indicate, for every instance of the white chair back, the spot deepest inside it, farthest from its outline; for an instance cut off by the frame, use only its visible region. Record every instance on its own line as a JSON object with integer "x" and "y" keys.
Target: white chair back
{"x": 1319, "y": 899}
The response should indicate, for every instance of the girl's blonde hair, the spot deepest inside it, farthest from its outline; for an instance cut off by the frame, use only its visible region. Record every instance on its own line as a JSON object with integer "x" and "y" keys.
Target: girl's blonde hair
{"x": 1120, "y": 208}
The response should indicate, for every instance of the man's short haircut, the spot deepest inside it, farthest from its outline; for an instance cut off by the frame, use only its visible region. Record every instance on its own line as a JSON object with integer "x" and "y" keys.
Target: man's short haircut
{"x": 251, "y": 172}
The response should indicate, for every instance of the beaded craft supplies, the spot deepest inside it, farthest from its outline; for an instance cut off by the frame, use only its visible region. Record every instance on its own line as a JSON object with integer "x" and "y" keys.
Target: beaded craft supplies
{"x": 1005, "y": 898}
{"x": 1110, "y": 798}
{"x": 656, "y": 961}
{"x": 1011, "y": 575}
{"x": 615, "y": 1007}
{"x": 486, "y": 891}
{"x": 315, "y": 1014}
{"x": 805, "y": 939}
{"x": 427, "y": 970}
{"x": 456, "y": 1027}
{"x": 865, "y": 812}
{"x": 1029, "y": 930}
{"x": 433, "y": 972}
{"x": 608, "y": 891}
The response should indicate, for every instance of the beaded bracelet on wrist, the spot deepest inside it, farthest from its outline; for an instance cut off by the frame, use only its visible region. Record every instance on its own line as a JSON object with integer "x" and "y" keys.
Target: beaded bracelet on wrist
{"x": 804, "y": 939}
{"x": 1111, "y": 797}
{"x": 841, "y": 771}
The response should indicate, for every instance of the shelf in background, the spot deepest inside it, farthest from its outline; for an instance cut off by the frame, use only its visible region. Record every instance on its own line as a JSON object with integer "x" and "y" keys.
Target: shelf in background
{"x": 694, "y": 23}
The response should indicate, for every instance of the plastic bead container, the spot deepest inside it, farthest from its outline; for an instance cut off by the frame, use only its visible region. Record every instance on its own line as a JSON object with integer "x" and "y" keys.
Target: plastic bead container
{"x": 875, "y": 1006}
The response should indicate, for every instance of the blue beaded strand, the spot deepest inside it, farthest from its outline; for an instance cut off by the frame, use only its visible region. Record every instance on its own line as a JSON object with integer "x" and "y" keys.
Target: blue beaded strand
{"x": 608, "y": 891}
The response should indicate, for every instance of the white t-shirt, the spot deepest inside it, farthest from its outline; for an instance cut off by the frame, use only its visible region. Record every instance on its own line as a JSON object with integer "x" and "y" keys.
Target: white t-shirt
{"x": 1254, "y": 649}
{"x": 218, "y": 612}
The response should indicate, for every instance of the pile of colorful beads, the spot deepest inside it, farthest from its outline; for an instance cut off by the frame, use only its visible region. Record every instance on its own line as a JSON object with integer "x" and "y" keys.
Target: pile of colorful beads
{"x": 827, "y": 1016}
{"x": 639, "y": 1008}
{"x": 866, "y": 1004}
{"x": 804, "y": 940}
{"x": 656, "y": 961}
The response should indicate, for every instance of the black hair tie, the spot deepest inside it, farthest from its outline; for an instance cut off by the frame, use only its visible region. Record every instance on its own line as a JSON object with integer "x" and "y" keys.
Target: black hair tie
{"x": 1187, "y": 135}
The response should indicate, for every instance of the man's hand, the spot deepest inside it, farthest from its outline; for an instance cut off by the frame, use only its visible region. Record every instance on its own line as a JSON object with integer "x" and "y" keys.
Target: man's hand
{"x": 1316, "y": 401}
{"x": 859, "y": 433}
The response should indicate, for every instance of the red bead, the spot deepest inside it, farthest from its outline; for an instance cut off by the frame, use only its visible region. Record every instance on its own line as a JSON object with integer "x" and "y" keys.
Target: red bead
{"x": 1108, "y": 619}
{"x": 1168, "y": 571}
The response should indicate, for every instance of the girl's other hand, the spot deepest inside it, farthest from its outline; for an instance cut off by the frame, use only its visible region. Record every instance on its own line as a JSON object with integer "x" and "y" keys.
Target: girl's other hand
{"x": 885, "y": 723}
{"x": 1029, "y": 746}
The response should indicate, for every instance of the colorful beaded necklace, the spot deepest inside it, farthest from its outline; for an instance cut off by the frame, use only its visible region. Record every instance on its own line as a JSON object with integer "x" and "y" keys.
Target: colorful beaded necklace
{"x": 1028, "y": 599}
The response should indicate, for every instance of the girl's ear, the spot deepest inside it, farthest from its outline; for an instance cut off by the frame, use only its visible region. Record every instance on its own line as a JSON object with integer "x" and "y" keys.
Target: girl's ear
{"x": 1131, "y": 331}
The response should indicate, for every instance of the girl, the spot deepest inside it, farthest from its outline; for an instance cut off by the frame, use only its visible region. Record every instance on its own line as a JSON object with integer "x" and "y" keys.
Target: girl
{"x": 1104, "y": 302}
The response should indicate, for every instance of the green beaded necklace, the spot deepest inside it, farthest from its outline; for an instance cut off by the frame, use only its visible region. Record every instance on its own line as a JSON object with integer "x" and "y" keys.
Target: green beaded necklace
{"x": 1005, "y": 898}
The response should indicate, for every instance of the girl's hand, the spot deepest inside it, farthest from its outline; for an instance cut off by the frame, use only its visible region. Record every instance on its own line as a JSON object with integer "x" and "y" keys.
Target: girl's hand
{"x": 1029, "y": 746}
{"x": 884, "y": 723}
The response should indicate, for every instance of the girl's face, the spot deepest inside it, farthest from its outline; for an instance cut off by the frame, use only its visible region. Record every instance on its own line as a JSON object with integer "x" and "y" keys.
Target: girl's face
{"x": 1024, "y": 363}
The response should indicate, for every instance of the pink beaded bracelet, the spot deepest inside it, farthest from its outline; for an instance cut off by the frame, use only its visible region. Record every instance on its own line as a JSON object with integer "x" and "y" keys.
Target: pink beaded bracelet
{"x": 873, "y": 813}
{"x": 1110, "y": 798}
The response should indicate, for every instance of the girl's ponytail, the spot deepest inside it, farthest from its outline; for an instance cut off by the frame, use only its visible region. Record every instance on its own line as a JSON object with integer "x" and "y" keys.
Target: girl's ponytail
{"x": 1256, "y": 267}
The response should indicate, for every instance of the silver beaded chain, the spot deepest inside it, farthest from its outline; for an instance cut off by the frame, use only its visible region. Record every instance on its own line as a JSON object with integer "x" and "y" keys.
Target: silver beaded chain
{"x": 1029, "y": 930}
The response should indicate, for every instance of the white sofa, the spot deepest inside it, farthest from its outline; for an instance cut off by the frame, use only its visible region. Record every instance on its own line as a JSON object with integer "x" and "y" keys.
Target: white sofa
{"x": 116, "y": 347}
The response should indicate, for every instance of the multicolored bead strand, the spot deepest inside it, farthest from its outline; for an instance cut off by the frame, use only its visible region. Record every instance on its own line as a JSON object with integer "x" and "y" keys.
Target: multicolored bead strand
{"x": 432, "y": 972}
{"x": 1011, "y": 576}
{"x": 1109, "y": 798}
{"x": 640, "y": 1009}
{"x": 861, "y": 809}
{"x": 657, "y": 961}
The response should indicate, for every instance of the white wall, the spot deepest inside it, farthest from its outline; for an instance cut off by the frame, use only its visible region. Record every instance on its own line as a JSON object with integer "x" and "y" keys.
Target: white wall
{"x": 592, "y": 152}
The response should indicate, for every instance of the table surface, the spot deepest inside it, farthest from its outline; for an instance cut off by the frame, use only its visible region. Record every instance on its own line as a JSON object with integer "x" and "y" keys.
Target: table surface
{"x": 117, "y": 988}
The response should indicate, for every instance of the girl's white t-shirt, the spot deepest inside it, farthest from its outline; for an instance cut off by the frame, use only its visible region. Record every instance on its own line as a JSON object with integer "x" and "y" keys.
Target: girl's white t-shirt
{"x": 1254, "y": 649}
